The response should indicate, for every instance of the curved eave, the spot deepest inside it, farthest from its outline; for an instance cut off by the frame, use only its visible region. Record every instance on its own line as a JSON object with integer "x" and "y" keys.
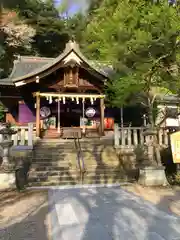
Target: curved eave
{"x": 49, "y": 67}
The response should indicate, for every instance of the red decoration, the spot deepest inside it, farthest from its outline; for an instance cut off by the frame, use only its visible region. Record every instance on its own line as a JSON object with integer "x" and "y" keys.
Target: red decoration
{"x": 108, "y": 123}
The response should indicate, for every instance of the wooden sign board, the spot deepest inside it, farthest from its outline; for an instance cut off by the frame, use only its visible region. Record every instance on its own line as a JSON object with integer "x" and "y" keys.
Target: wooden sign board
{"x": 175, "y": 146}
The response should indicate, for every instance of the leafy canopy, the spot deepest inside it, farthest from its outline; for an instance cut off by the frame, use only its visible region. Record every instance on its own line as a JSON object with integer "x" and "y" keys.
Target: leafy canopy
{"x": 141, "y": 40}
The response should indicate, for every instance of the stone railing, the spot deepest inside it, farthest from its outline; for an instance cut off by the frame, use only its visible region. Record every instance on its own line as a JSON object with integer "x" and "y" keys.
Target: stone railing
{"x": 25, "y": 135}
{"x": 133, "y": 136}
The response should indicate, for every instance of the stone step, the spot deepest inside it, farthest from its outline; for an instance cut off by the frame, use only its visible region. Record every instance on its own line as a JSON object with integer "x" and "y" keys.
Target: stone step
{"x": 55, "y": 151}
{"x": 70, "y": 143}
{"x": 63, "y": 172}
{"x": 39, "y": 168}
{"x": 51, "y": 155}
{"x": 75, "y": 182}
{"x": 61, "y": 176}
{"x": 49, "y": 158}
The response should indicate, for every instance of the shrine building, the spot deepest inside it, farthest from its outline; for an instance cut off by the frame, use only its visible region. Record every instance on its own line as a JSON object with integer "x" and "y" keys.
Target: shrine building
{"x": 66, "y": 92}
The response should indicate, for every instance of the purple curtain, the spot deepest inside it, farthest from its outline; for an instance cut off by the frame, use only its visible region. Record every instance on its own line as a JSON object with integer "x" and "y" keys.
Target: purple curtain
{"x": 25, "y": 114}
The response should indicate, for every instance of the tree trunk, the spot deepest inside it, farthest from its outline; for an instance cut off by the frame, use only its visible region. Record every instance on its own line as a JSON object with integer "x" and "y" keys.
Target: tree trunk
{"x": 150, "y": 115}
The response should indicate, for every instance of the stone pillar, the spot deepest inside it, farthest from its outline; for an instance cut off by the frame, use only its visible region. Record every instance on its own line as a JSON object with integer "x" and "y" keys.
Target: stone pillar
{"x": 7, "y": 168}
{"x": 152, "y": 173}
{"x": 102, "y": 116}
{"x": 37, "y": 114}
{"x": 30, "y": 134}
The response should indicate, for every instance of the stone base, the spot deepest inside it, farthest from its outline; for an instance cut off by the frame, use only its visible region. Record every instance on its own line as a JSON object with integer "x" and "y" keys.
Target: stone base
{"x": 152, "y": 176}
{"x": 7, "y": 180}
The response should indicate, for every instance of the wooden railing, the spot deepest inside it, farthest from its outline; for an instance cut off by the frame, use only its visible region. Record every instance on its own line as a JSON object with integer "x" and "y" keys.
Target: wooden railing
{"x": 133, "y": 136}
{"x": 25, "y": 135}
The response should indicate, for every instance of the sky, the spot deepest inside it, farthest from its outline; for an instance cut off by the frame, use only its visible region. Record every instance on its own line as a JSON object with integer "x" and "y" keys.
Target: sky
{"x": 75, "y": 5}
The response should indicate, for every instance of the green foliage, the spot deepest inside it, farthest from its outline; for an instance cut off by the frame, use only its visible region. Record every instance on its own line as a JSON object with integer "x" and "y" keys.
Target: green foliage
{"x": 1, "y": 112}
{"x": 51, "y": 33}
{"x": 76, "y": 26}
{"x": 15, "y": 37}
{"x": 177, "y": 178}
{"x": 139, "y": 38}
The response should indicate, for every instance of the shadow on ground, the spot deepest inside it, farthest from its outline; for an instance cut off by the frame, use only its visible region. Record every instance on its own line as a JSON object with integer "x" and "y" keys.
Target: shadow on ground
{"x": 110, "y": 213}
{"x": 107, "y": 213}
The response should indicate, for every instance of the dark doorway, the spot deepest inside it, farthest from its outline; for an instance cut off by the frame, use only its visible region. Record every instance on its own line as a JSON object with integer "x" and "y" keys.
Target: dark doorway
{"x": 70, "y": 119}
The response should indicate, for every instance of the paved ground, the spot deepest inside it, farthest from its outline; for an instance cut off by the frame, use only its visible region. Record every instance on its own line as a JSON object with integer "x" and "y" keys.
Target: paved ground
{"x": 166, "y": 198}
{"x": 79, "y": 214}
{"x": 108, "y": 214}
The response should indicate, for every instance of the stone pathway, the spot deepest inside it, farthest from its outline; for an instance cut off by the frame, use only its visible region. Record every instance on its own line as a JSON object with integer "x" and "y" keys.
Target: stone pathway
{"x": 108, "y": 214}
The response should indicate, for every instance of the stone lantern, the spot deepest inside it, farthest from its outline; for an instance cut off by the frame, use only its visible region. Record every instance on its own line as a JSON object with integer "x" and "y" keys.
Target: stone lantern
{"x": 7, "y": 171}
{"x": 153, "y": 173}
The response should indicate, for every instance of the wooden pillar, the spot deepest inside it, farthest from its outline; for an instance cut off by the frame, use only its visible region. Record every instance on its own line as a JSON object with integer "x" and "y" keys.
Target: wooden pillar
{"x": 102, "y": 116}
{"x": 59, "y": 116}
{"x": 37, "y": 114}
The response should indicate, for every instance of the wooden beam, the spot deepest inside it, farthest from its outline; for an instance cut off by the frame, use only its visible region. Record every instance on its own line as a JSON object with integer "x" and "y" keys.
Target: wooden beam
{"x": 37, "y": 114}
{"x": 102, "y": 116}
{"x": 73, "y": 95}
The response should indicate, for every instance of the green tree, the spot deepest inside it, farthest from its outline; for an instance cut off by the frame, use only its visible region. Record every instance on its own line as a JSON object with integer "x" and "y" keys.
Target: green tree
{"x": 140, "y": 39}
{"x": 15, "y": 37}
{"x": 51, "y": 33}
{"x": 1, "y": 112}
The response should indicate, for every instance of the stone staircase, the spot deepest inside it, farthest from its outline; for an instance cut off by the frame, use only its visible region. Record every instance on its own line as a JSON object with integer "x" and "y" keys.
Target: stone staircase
{"x": 54, "y": 162}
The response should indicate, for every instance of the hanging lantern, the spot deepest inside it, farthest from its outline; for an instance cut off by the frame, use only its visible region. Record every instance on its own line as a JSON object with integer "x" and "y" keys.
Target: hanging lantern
{"x": 109, "y": 123}
{"x": 72, "y": 99}
{"x": 35, "y": 105}
{"x": 47, "y": 98}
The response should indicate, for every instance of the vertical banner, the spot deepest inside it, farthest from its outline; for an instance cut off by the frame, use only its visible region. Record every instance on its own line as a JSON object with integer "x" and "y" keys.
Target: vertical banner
{"x": 175, "y": 146}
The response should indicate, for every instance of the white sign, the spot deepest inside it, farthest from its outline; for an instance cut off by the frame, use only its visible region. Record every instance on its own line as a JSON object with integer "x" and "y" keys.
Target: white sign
{"x": 90, "y": 112}
{"x": 45, "y": 112}
{"x": 172, "y": 122}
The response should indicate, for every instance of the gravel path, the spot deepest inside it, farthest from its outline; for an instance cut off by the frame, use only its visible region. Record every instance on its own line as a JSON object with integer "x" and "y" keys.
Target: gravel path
{"x": 24, "y": 216}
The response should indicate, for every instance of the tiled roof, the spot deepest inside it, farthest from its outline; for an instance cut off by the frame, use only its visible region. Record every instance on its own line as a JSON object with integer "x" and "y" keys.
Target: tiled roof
{"x": 26, "y": 65}
{"x": 6, "y": 82}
